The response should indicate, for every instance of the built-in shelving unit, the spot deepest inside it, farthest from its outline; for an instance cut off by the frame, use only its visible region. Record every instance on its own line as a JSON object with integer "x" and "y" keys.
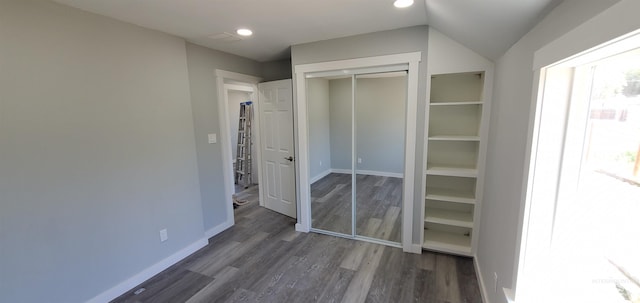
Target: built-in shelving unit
{"x": 454, "y": 140}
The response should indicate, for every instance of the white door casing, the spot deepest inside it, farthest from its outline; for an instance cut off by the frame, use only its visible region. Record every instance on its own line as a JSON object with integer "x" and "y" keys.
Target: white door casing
{"x": 223, "y": 77}
{"x": 276, "y": 132}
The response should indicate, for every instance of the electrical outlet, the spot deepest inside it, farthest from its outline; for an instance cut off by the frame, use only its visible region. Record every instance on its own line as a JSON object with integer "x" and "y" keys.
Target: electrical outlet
{"x": 495, "y": 282}
{"x": 359, "y": 160}
{"x": 163, "y": 235}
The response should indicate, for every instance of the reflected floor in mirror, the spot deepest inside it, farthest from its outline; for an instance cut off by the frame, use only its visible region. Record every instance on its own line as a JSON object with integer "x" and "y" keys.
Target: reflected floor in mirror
{"x": 378, "y": 206}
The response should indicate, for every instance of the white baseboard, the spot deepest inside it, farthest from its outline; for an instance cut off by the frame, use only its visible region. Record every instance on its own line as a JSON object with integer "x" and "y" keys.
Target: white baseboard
{"x": 340, "y": 171}
{"x": 415, "y": 249}
{"x": 320, "y": 176}
{"x": 368, "y": 172}
{"x": 218, "y": 229}
{"x": 301, "y": 228}
{"x": 509, "y": 295}
{"x": 151, "y": 271}
{"x": 379, "y": 173}
{"x": 483, "y": 289}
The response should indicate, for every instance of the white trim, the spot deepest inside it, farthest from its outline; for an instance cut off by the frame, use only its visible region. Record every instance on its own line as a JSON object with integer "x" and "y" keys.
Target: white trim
{"x": 416, "y": 249}
{"x": 239, "y": 87}
{"x": 258, "y": 136}
{"x": 379, "y": 173}
{"x": 341, "y": 171}
{"x": 301, "y": 228}
{"x": 483, "y": 288}
{"x": 233, "y": 76}
{"x": 388, "y": 70}
{"x": 367, "y": 172}
{"x": 509, "y": 295}
{"x": 413, "y": 59}
{"x": 303, "y": 186}
{"x": 147, "y": 273}
{"x": 358, "y": 63}
{"x": 410, "y": 153}
{"x": 320, "y": 176}
{"x": 487, "y": 99}
{"x": 218, "y": 229}
{"x": 354, "y": 158}
{"x": 225, "y": 139}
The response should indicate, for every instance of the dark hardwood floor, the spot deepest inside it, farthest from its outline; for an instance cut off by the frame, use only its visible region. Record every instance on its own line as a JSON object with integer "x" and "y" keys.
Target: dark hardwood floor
{"x": 262, "y": 259}
{"x": 378, "y": 205}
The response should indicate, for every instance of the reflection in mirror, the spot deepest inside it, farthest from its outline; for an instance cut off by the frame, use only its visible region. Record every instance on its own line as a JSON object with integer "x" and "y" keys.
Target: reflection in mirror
{"x": 330, "y": 150}
{"x": 380, "y": 132}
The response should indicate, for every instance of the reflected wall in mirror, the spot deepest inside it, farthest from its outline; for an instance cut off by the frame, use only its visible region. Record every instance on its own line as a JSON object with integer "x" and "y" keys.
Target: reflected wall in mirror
{"x": 380, "y": 141}
{"x": 330, "y": 152}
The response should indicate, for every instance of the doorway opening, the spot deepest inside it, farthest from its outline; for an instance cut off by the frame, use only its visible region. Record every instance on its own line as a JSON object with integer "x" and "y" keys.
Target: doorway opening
{"x": 234, "y": 88}
{"x": 270, "y": 145}
{"x": 240, "y": 99}
{"x": 581, "y": 239}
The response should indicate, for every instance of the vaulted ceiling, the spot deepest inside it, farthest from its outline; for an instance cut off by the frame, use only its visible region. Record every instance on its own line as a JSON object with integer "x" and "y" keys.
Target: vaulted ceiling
{"x": 488, "y": 27}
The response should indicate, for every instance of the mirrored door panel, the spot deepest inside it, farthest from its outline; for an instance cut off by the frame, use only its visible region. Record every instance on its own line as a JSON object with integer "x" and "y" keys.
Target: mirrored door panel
{"x": 380, "y": 104}
{"x": 329, "y": 102}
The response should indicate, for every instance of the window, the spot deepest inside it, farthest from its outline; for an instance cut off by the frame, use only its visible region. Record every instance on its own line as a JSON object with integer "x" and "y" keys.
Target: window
{"x": 582, "y": 236}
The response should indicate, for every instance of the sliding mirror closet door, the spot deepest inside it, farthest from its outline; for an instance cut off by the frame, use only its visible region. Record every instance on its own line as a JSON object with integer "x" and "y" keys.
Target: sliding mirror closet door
{"x": 329, "y": 101}
{"x": 380, "y": 105}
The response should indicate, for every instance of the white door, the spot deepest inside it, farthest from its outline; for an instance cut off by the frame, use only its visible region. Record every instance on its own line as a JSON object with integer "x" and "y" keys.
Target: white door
{"x": 276, "y": 133}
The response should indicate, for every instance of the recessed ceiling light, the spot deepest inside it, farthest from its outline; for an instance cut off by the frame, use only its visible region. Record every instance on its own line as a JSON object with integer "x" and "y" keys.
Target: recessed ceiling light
{"x": 403, "y": 3}
{"x": 244, "y": 32}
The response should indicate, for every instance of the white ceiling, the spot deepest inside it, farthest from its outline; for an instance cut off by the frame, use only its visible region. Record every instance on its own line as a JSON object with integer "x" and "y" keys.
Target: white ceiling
{"x": 488, "y": 27}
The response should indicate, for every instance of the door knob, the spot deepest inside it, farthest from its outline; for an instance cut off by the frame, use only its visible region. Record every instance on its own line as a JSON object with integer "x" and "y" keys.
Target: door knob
{"x": 290, "y": 158}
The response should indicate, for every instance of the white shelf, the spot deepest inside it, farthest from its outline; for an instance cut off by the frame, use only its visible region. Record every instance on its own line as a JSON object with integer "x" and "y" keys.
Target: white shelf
{"x": 436, "y": 103}
{"x": 454, "y": 138}
{"x": 453, "y": 171}
{"x": 448, "y": 217}
{"x": 450, "y": 195}
{"x": 455, "y": 143}
{"x": 447, "y": 242}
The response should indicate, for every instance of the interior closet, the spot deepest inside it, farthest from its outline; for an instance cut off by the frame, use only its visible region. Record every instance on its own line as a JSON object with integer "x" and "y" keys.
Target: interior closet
{"x": 356, "y": 131}
{"x": 442, "y": 187}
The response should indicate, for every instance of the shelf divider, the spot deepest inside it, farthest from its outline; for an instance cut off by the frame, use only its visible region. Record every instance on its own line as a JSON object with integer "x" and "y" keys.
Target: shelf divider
{"x": 436, "y": 103}
{"x": 449, "y": 195}
{"x": 448, "y": 217}
{"x": 434, "y": 169}
{"x": 454, "y": 138}
{"x": 447, "y": 242}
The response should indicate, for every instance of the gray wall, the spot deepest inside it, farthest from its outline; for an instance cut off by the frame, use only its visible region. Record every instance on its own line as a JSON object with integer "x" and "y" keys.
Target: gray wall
{"x": 380, "y": 123}
{"x": 506, "y": 160}
{"x": 340, "y": 106}
{"x": 404, "y": 40}
{"x": 276, "y": 70}
{"x": 97, "y": 152}
{"x": 202, "y": 64}
{"x": 319, "y": 144}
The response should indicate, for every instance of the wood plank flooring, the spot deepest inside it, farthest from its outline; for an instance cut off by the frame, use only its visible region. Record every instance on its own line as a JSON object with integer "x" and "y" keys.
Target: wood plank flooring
{"x": 378, "y": 205}
{"x": 263, "y": 259}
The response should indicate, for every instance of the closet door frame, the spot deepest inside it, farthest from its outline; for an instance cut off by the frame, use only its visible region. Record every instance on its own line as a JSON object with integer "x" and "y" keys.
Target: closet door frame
{"x": 302, "y": 129}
